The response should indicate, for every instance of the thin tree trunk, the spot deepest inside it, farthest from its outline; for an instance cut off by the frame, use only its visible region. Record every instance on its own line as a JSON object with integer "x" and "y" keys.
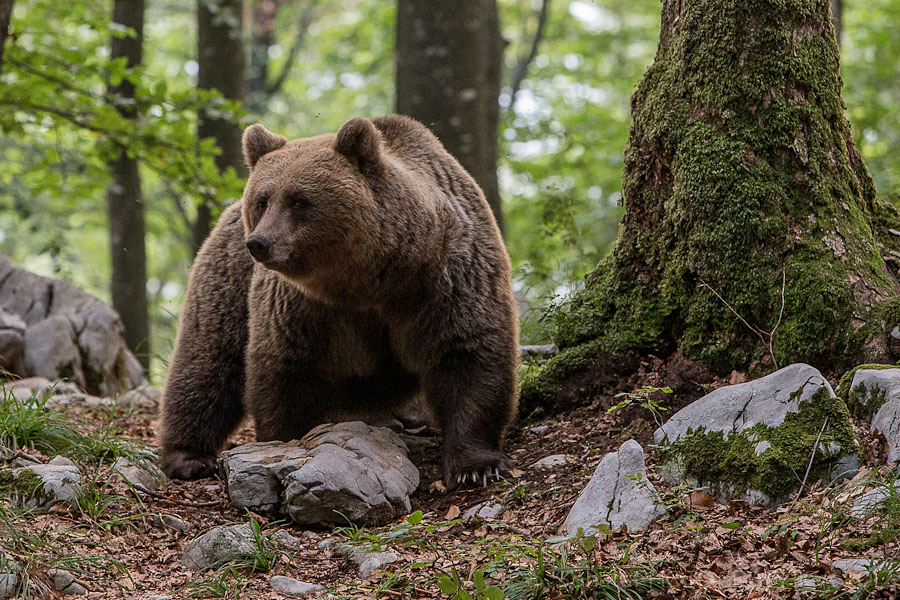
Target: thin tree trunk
{"x": 448, "y": 77}
{"x": 6, "y": 7}
{"x": 220, "y": 53}
{"x": 125, "y": 203}
{"x": 752, "y": 234}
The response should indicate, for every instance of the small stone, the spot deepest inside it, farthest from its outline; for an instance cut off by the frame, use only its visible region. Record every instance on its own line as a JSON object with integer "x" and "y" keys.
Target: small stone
{"x": 287, "y": 540}
{"x": 144, "y": 474}
{"x": 539, "y": 429}
{"x": 485, "y": 510}
{"x": 61, "y": 461}
{"x": 164, "y": 521}
{"x": 293, "y": 587}
{"x": 854, "y": 566}
{"x": 158, "y": 598}
{"x": 9, "y": 584}
{"x": 548, "y": 462}
{"x": 217, "y": 546}
{"x": 144, "y": 395}
{"x": 64, "y": 582}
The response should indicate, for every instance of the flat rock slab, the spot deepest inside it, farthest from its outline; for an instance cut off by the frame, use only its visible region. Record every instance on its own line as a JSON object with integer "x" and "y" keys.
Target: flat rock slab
{"x": 617, "y": 494}
{"x": 350, "y": 470}
{"x": 219, "y": 545}
{"x": 747, "y": 440}
{"x": 876, "y": 393}
{"x": 143, "y": 474}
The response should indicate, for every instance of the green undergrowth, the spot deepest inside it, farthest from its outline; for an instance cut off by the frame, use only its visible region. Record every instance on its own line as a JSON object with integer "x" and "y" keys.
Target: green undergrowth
{"x": 734, "y": 465}
{"x": 32, "y": 423}
{"x": 38, "y": 551}
{"x": 500, "y": 566}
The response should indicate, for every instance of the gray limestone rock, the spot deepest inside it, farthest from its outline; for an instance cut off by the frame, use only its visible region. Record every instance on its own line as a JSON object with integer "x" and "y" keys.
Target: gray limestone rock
{"x": 68, "y": 333}
{"x": 286, "y": 540}
{"x": 9, "y": 585}
{"x": 164, "y": 521}
{"x": 359, "y": 471}
{"x": 366, "y": 558}
{"x": 293, "y": 587}
{"x": 12, "y": 341}
{"x": 144, "y": 474}
{"x": 548, "y": 462}
{"x": 485, "y": 510}
{"x": 51, "y": 351}
{"x": 64, "y": 582}
{"x": 755, "y": 412}
{"x": 218, "y": 546}
{"x": 9, "y": 576}
{"x": 870, "y": 502}
{"x": 854, "y": 566}
{"x": 617, "y": 494}
{"x": 877, "y": 392}
{"x": 46, "y": 485}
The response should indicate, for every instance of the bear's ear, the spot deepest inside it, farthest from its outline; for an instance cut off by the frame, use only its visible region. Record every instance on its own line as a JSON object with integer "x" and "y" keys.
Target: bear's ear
{"x": 258, "y": 141}
{"x": 358, "y": 140}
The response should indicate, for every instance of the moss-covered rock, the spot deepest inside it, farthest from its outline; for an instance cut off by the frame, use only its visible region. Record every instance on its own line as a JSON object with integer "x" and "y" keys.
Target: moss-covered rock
{"x": 863, "y": 398}
{"x": 755, "y": 440}
{"x": 744, "y": 196}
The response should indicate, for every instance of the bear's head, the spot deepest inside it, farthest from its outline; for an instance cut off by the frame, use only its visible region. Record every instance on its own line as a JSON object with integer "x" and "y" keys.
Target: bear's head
{"x": 309, "y": 208}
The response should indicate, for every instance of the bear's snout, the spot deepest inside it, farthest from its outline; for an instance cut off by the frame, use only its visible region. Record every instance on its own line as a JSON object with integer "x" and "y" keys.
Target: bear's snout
{"x": 259, "y": 247}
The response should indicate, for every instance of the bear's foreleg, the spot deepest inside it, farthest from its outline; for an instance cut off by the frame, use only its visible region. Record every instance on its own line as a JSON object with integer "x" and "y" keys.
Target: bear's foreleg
{"x": 473, "y": 401}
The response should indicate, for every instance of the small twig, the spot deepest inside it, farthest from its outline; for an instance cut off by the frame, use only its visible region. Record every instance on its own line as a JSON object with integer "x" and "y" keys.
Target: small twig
{"x": 159, "y": 496}
{"x": 813, "y": 456}
{"x": 761, "y": 333}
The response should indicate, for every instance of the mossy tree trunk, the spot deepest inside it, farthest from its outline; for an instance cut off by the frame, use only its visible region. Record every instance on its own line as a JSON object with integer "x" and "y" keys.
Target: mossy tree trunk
{"x": 740, "y": 174}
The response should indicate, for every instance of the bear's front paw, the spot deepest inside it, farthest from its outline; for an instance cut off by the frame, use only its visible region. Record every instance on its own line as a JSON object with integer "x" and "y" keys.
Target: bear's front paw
{"x": 181, "y": 464}
{"x": 475, "y": 470}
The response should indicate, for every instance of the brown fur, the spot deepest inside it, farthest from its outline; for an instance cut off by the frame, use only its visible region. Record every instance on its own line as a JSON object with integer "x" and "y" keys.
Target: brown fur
{"x": 383, "y": 277}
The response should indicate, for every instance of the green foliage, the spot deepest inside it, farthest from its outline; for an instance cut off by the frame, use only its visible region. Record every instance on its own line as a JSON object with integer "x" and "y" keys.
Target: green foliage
{"x": 643, "y": 397}
{"x": 32, "y": 423}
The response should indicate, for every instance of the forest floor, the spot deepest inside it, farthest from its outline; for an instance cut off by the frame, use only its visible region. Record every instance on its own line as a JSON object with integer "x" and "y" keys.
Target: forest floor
{"x": 698, "y": 549}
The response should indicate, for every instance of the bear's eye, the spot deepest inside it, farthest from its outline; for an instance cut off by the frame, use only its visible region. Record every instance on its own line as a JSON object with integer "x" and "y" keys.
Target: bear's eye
{"x": 299, "y": 201}
{"x": 262, "y": 202}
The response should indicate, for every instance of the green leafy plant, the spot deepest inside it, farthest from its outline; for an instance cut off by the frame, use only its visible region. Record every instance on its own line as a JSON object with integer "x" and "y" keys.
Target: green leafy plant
{"x": 643, "y": 397}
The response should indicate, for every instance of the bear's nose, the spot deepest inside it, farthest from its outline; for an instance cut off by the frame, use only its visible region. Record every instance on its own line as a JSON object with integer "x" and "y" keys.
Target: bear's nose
{"x": 259, "y": 247}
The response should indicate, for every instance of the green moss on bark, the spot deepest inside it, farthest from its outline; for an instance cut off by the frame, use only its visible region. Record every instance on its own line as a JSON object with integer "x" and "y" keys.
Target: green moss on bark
{"x": 735, "y": 467}
{"x": 739, "y": 171}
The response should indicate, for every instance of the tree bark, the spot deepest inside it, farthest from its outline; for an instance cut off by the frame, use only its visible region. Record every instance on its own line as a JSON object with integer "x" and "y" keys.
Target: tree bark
{"x": 220, "y": 53}
{"x": 752, "y": 234}
{"x": 449, "y": 58}
{"x": 124, "y": 200}
{"x": 837, "y": 18}
{"x": 6, "y": 7}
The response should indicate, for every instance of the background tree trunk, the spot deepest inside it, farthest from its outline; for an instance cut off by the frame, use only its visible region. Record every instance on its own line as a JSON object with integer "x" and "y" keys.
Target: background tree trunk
{"x": 740, "y": 173}
{"x": 220, "y": 54}
{"x": 448, "y": 77}
{"x": 125, "y": 203}
{"x": 6, "y": 7}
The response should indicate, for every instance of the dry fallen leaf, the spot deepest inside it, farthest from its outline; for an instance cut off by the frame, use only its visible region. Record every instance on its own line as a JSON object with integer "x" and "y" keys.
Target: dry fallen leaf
{"x": 452, "y": 513}
{"x": 701, "y": 500}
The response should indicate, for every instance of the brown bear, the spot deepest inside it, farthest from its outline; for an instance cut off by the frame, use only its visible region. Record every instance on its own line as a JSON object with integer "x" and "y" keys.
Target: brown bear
{"x": 361, "y": 270}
